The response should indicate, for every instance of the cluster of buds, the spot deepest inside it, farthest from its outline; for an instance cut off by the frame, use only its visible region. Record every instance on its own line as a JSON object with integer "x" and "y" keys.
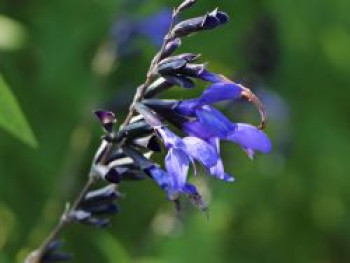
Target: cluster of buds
{"x": 52, "y": 253}
{"x": 95, "y": 206}
{"x": 92, "y": 209}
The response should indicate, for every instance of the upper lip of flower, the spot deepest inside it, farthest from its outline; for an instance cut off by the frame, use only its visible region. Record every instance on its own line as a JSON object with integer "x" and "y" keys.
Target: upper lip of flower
{"x": 194, "y": 147}
{"x": 217, "y": 125}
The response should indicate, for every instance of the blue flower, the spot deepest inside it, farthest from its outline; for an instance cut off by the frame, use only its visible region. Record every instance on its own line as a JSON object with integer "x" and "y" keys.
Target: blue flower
{"x": 169, "y": 183}
{"x": 211, "y": 123}
{"x": 222, "y": 89}
{"x": 212, "y": 126}
{"x": 219, "y": 91}
{"x": 181, "y": 152}
{"x": 209, "y": 76}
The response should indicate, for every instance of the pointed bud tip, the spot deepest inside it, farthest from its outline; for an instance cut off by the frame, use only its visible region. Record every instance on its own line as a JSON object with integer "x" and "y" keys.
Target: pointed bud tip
{"x": 106, "y": 118}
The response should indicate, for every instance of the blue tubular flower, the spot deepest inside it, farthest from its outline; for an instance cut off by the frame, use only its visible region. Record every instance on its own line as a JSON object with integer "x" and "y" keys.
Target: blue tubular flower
{"x": 211, "y": 123}
{"x": 177, "y": 164}
{"x": 161, "y": 177}
{"x": 195, "y": 148}
{"x": 170, "y": 184}
{"x": 221, "y": 91}
{"x": 218, "y": 169}
{"x": 195, "y": 128}
{"x": 209, "y": 76}
{"x": 180, "y": 153}
{"x": 216, "y": 92}
{"x": 248, "y": 136}
{"x": 212, "y": 126}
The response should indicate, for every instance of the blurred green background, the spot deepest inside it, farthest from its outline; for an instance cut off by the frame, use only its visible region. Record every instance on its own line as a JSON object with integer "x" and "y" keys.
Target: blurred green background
{"x": 58, "y": 59}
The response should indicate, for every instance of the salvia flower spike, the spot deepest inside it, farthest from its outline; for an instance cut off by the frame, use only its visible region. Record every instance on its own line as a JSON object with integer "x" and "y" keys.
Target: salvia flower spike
{"x": 190, "y": 131}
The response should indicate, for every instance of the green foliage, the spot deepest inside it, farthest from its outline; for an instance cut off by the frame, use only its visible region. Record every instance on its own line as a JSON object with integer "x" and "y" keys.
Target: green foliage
{"x": 12, "y": 118}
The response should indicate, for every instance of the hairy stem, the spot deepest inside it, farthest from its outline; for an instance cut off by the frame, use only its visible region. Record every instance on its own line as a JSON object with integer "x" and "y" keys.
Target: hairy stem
{"x": 35, "y": 256}
{"x": 151, "y": 71}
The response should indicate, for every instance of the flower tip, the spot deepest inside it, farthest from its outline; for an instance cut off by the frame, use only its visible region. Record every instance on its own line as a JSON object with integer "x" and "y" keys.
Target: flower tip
{"x": 251, "y": 97}
{"x": 268, "y": 146}
{"x": 265, "y": 145}
{"x": 229, "y": 179}
{"x": 223, "y": 17}
{"x": 173, "y": 195}
{"x": 250, "y": 153}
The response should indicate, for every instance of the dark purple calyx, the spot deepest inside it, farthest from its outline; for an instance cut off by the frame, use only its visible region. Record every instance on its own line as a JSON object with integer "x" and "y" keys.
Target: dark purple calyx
{"x": 171, "y": 47}
{"x": 149, "y": 115}
{"x": 192, "y": 70}
{"x": 171, "y": 66}
{"x": 103, "y": 209}
{"x": 134, "y": 130}
{"x": 181, "y": 81}
{"x": 158, "y": 86}
{"x": 105, "y": 194}
{"x": 107, "y": 119}
{"x": 149, "y": 142}
{"x": 140, "y": 160}
{"x": 209, "y": 21}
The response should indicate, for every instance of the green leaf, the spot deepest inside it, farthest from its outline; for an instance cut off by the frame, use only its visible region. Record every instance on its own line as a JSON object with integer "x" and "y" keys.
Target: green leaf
{"x": 12, "y": 118}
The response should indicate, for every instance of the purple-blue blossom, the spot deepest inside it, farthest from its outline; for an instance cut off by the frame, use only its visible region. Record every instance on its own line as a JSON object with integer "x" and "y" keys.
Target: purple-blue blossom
{"x": 198, "y": 119}
{"x": 217, "y": 92}
{"x": 170, "y": 184}
{"x": 181, "y": 153}
{"x": 211, "y": 123}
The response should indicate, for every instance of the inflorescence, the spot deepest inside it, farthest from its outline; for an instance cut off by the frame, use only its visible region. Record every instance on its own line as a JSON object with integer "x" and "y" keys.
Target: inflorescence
{"x": 125, "y": 153}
